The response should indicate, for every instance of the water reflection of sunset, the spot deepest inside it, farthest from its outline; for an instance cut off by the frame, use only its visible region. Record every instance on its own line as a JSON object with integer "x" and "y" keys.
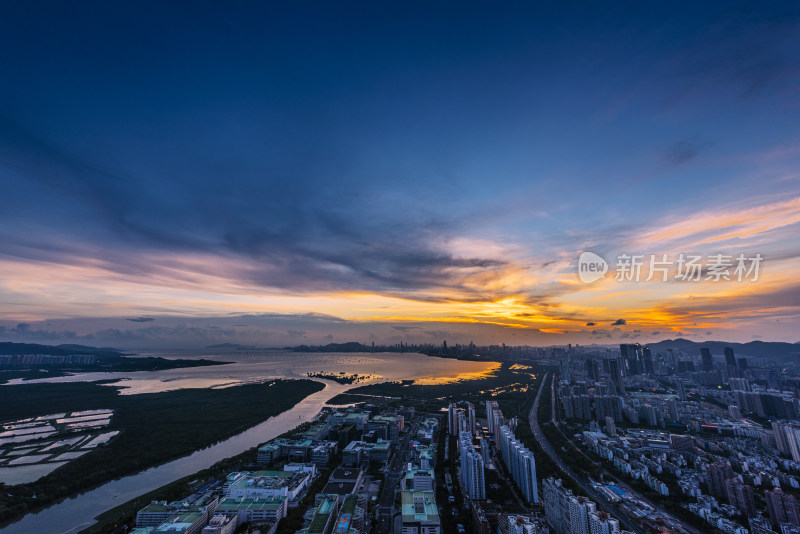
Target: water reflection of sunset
{"x": 485, "y": 370}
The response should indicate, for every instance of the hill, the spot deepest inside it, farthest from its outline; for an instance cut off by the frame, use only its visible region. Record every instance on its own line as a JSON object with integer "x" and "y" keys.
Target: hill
{"x": 21, "y": 349}
{"x": 756, "y": 349}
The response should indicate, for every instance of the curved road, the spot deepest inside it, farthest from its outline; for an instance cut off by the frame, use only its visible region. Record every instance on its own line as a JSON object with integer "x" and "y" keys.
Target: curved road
{"x": 533, "y": 419}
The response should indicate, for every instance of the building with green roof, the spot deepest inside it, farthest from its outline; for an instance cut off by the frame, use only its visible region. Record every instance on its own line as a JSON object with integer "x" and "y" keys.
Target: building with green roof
{"x": 323, "y": 516}
{"x": 183, "y": 523}
{"x": 419, "y": 511}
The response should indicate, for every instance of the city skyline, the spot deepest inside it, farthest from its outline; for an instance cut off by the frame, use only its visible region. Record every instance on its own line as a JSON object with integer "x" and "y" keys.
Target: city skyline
{"x": 270, "y": 176}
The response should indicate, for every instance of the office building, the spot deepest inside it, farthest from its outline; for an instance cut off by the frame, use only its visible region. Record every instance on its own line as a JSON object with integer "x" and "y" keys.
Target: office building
{"x": 730, "y": 359}
{"x": 707, "y": 359}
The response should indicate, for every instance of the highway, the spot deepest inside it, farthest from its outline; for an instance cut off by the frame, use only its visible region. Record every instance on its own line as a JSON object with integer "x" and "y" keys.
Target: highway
{"x": 625, "y": 520}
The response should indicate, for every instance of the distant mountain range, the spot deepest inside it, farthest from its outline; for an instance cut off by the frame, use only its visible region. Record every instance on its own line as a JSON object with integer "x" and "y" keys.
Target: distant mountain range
{"x": 756, "y": 349}
{"x": 20, "y": 349}
{"x": 352, "y": 346}
{"x": 106, "y": 359}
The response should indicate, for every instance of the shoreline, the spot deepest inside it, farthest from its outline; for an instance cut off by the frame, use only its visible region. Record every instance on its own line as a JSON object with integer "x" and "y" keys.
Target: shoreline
{"x": 143, "y": 480}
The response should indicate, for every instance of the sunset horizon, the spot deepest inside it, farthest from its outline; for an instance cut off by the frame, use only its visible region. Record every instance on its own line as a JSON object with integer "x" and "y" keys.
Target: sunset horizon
{"x": 433, "y": 185}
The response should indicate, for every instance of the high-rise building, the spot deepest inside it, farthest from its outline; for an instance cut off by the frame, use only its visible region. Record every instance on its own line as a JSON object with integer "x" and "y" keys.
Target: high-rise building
{"x": 518, "y": 524}
{"x": 611, "y": 427}
{"x": 472, "y": 475}
{"x": 631, "y": 359}
{"x": 793, "y": 439}
{"x": 707, "y": 359}
{"x": 782, "y": 508}
{"x": 716, "y": 475}
{"x": 730, "y": 359}
{"x": 602, "y": 523}
{"x": 570, "y": 514}
{"x": 491, "y": 406}
{"x": 593, "y": 369}
{"x": 580, "y": 509}
{"x": 520, "y": 464}
{"x": 742, "y": 364}
{"x": 462, "y": 422}
{"x": 556, "y": 507}
{"x": 740, "y": 495}
{"x": 471, "y": 420}
{"x": 672, "y": 409}
{"x": 616, "y": 375}
{"x": 739, "y": 384}
{"x": 452, "y": 419}
{"x": 780, "y": 438}
{"x": 647, "y": 360}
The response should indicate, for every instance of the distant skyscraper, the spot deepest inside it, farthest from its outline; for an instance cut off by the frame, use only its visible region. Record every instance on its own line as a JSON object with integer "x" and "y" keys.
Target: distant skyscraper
{"x": 742, "y": 363}
{"x": 708, "y": 359}
{"x": 593, "y": 369}
{"x": 616, "y": 375}
{"x": 730, "y": 359}
{"x": 631, "y": 359}
{"x": 647, "y": 360}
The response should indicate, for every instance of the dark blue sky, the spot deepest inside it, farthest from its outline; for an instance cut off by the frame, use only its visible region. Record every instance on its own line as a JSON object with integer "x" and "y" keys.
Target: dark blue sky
{"x": 446, "y": 153}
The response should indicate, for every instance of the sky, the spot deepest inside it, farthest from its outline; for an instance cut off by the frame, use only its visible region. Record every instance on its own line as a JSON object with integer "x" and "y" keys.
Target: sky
{"x": 179, "y": 174}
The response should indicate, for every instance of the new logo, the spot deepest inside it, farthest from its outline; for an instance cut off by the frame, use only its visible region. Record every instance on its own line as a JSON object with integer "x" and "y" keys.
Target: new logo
{"x": 591, "y": 267}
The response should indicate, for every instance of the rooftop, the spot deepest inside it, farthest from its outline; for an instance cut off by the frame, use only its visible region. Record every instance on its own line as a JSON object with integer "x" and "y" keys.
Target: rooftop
{"x": 267, "y": 503}
{"x": 346, "y": 473}
{"x": 339, "y": 488}
{"x": 180, "y": 522}
{"x": 419, "y": 506}
{"x": 268, "y": 479}
{"x": 321, "y": 516}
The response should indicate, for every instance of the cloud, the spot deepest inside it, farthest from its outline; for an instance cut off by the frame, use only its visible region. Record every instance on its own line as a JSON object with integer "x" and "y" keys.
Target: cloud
{"x": 591, "y": 324}
{"x": 303, "y": 237}
{"x": 682, "y": 152}
{"x": 141, "y": 319}
{"x": 619, "y": 322}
